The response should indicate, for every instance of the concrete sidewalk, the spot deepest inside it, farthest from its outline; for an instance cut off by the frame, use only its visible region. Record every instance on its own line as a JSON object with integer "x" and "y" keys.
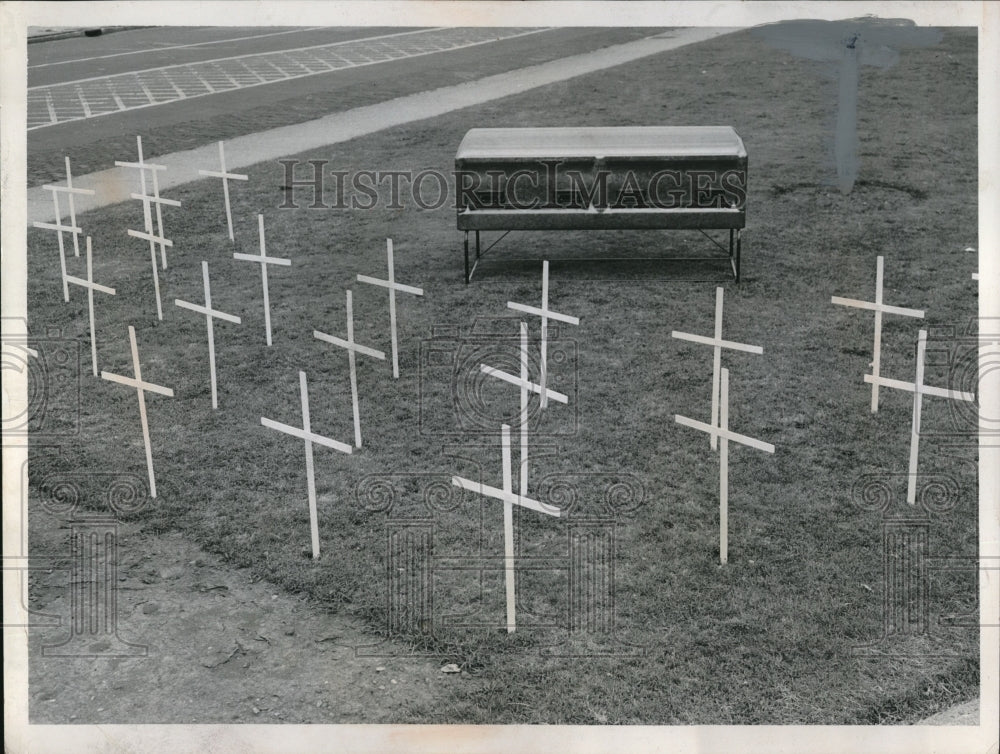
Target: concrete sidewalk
{"x": 962, "y": 714}
{"x": 114, "y": 185}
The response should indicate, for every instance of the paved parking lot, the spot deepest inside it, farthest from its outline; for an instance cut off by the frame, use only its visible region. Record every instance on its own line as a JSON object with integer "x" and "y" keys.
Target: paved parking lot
{"x": 104, "y": 95}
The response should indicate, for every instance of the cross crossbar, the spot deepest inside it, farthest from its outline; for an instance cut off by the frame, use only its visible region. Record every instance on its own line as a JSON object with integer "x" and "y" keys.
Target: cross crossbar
{"x": 207, "y": 312}
{"x": 956, "y": 395}
{"x": 507, "y": 497}
{"x": 150, "y": 237}
{"x": 517, "y": 381}
{"x": 89, "y": 284}
{"x": 69, "y": 189}
{"x": 306, "y": 435}
{"x": 349, "y": 345}
{"x": 731, "y": 344}
{"x": 57, "y": 226}
{"x": 139, "y": 165}
{"x": 728, "y": 434}
{"x": 393, "y": 285}
{"x": 871, "y": 306}
{"x": 146, "y": 387}
{"x": 217, "y": 174}
{"x": 156, "y": 200}
{"x": 547, "y": 313}
{"x": 262, "y": 259}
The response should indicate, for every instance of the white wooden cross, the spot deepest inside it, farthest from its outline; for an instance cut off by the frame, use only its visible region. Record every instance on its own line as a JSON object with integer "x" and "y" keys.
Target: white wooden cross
{"x": 226, "y": 177}
{"x": 351, "y": 347}
{"x": 919, "y": 389}
{"x": 717, "y": 344}
{"x": 159, "y": 201}
{"x": 59, "y": 228}
{"x": 546, "y": 315}
{"x": 310, "y": 437}
{"x": 210, "y": 315}
{"x": 91, "y": 286}
{"x": 509, "y": 501}
{"x": 142, "y": 167}
{"x": 70, "y": 191}
{"x": 725, "y": 435}
{"x": 879, "y": 308}
{"x": 141, "y": 388}
{"x": 149, "y": 236}
{"x": 264, "y": 260}
{"x": 393, "y": 286}
{"x": 527, "y": 387}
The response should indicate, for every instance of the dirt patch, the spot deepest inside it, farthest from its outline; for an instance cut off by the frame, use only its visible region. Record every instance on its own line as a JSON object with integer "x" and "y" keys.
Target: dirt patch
{"x": 209, "y": 631}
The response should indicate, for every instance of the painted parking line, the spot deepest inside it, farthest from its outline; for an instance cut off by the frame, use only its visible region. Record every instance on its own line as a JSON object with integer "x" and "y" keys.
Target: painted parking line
{"x": 174, "y": 47}
{"x": 105, "y": 95}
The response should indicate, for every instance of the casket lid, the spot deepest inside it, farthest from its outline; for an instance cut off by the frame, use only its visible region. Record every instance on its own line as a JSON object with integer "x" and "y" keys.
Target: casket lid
{"x": 607, "y": 142}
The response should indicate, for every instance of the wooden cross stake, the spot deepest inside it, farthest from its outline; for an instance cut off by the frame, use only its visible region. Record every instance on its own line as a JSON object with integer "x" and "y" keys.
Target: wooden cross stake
{"x": 59, "y": 228}
{"x": 158, "y": 201}
{"x": 264, "y": 260}
{"x": 527, "y": 387}
{"x": 141, "y": 389}
{"x": 919, "y": 389}
{"x": 210, "y": 315}
{"x": 351, "y": 347}
{"x": 147, "y": 201}
{"x": 717, "y": 344}
{"x": 509, "y": 500}
{"x": 879, "y": 308}
{"x": 70, "y": 191}
{"x": 153, "y": 239}
{"x": 393, "y": 286}
{"x": 310, "y": 437}
{"x": 91, "y": 286}
{"x": 725, "y": 435}
{"x": 226, "y": 177}
{"x": 546, "y": 314}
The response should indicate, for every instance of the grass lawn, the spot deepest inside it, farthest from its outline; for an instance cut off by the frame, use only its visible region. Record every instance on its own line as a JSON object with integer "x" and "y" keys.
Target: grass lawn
{"x": 770, "y": 638}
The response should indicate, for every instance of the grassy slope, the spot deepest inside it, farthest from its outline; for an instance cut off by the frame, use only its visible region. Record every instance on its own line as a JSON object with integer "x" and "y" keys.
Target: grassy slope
{"x": 767, "y": 639}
